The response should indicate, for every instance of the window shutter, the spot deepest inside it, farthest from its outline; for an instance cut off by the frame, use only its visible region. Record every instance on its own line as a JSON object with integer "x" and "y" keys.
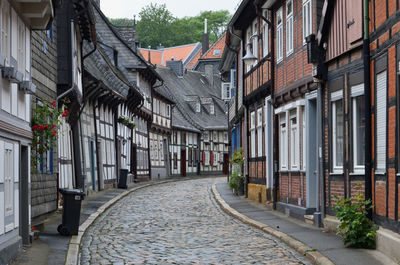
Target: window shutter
{"x": 354, "y": 20}
{"x": 381, "y": 96}
{"x": 212, "y": 158}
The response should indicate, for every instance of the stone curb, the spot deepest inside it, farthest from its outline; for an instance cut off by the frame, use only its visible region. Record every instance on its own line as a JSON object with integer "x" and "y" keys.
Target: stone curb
{"x": 314, "y": 256}
{"x": 72, "y": 257}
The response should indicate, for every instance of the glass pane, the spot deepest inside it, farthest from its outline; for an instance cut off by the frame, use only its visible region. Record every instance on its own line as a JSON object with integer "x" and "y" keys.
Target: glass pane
{"x": 339, "y": 133}
{"x": 360, "y": 130}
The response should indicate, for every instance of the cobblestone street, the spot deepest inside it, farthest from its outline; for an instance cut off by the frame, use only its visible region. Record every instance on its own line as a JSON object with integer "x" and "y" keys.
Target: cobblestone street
{"x": 178, "y": 223}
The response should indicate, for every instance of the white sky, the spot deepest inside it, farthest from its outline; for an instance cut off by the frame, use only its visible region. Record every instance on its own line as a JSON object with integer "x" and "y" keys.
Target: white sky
{"x": 179, "y": 8}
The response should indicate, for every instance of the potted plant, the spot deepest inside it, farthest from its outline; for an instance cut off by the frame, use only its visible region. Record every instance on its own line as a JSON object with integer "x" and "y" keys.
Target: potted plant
{"x": 126, "y": 121}
{"x": 236, "y": 180}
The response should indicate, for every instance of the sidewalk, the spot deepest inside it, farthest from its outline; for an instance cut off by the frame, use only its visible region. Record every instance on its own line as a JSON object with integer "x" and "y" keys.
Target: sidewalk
{"x": 328, "y": 244}
{"x": 51, "y": 247}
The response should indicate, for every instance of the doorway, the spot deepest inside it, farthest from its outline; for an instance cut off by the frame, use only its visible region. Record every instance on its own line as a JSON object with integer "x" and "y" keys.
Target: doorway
{"x": 311, "y": 151}
{"x": 92, "y": 167}
{"x": 183, "y": 162}
{"x": 134, "y": 160}
{"x": 226, "y": 164}
{"x": 24, "y": 196}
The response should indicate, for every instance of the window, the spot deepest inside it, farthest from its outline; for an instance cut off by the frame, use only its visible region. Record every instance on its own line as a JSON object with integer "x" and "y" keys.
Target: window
{"x": 5, "y": 42}
{"x": 337, "y": 132}
{"x": 283, "y": 141}
{"x": 161, "y": 151}
{"x": 255, "y": 41}
{"x": 155, "y": 148}
{"x": 151, "y": 150}
{"x": 168, "y": 110}
{"x": 253, "y": 134}
{"x": 215, "y": 137}
{"x": 225, "y": 91}
{"x": 207, "y": 158}
{"x": 49, "y": 161}
{"x": 217, "y": 52}
{"x": 190, "y": 157}
{"x": 8, "y": 177}
{"x": 175, "y": 161}
{"x": 259, "y": 133}
{"x": 212, "y": 109}
{"x": 307, "y": 19}
{"x": 357, "y": 93}
{"x": 248, "y": 66}
{"x": 289, "y": 27}
{"x": 381, "y": 109}
{"x": 232, "y": 82}
{"x": 205, "y": 136}
{"x": 294, "y": 140}
{"x": 21, "y": 46}
{"x": 198, "y": 107}
{"x": 265, "y": 36}
{"x": 279, "y": 35}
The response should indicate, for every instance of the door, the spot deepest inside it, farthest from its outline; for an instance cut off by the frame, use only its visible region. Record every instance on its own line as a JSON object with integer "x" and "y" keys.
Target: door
{"x": 24, "y": 196}
{"x": 92, "y": 167}
{"x": 311, "y": 152}
{"x": 134, "y": 160}
{"x": 226, "y": 164}
{"x": 183, "y": 162}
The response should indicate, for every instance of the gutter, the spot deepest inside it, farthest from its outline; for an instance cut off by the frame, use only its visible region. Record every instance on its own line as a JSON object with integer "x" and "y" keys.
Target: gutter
{"x": 367, "y": 106}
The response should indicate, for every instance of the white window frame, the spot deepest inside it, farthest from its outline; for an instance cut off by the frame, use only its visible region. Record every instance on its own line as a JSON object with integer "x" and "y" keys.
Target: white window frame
{"x": 259, "y": 132}
{"x": 5, "y": 30}
{"x": 253, "y": 134}
{"x": 289, "y": 28}
{"x": 198, "y": 107}
{"x": 294, "y": 139}
{"x": 356, "y": 91}
{"x": 304, "y": 144}
{"x": 336, "y": 97}
{"x": 381, "y": 130}
{"x": 212, "y": 109}
{"x": 307, "y": 19}
{"x": 255, "y": 41}
{"x": 168, "y": 111}
{"x": 279, "y": 35}
{"x": 265, "y": 35}
{"x": 207, "y": 158}
{"x": 283, "y": 141}
{"x": 225, "y": 91}
{"x": 8, "y": 177}
{"x": 248, "y": 34}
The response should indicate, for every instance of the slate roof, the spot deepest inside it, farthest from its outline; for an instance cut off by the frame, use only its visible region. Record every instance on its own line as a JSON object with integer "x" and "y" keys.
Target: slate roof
{"x": 195, "y": 86}
{"x": 127, "y": 57}
{"x": 100, "y": 67}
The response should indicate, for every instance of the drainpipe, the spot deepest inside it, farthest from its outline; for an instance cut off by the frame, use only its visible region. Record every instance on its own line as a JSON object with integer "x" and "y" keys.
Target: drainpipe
{"x": 367, "y": 106}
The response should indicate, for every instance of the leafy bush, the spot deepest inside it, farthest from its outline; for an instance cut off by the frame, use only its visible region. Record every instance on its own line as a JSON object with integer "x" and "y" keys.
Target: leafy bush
{"x": 235, "y": 181}
{"x": 355, "y": 228}
{"x": 237, "y": 157}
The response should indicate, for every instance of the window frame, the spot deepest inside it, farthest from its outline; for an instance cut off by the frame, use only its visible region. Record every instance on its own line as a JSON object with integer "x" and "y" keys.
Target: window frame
{"x": 356, "y": 92}
{"x": 259, "y": 132}
{"x": 283, "y": 141}
{"x": 265, "y": 35}
{"x": 380, "y": 166}
{"x": 279, "y": 35}
{"x": 335, "y": 98}
{"x": 252, "y": 134}
{"x": 294, "y": 139}
{"x": 307, "y": 27}
{"x": 289, "y": 29}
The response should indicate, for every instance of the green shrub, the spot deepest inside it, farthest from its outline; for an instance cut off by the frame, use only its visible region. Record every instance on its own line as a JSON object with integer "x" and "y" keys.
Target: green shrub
{"x": 235, "y": 181}
{"x": 355, "y": 227}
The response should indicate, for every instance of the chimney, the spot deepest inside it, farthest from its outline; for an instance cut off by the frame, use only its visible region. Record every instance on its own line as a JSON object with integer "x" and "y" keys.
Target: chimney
{"x": 209, "y": 72}
{"x": 160, "y": 47}
{"x": 206, "y": 39}
{"x": 176, "y": 67}
{"x": 149, "y": 54}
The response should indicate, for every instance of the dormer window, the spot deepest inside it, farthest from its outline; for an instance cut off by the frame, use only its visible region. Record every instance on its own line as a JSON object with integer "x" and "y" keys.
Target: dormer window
{"x": 225, "y": 91}
{"x": 198, "y": 107}
{"x": 212, "y": 109}
{"x": 217, "y": 52}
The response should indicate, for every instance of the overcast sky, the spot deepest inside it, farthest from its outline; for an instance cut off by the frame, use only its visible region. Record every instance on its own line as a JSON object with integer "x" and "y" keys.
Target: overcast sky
{"x": 179, "y": 8}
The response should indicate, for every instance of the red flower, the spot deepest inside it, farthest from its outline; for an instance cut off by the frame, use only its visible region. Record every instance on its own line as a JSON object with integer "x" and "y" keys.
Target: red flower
{"x": 41, "y": 127}
{"x": 46, "y": 126}
{"x": 35, "y": 127}
{"x": 65, "y": 113}
{"x": 54, "y": 132}
{"x": 54, "y": 103}
{"x": 52, "y": 127}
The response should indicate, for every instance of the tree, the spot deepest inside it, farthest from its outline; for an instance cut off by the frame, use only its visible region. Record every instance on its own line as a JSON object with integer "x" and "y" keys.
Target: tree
{"x": 122, "y": 22}
{"x": 154, "y": 26}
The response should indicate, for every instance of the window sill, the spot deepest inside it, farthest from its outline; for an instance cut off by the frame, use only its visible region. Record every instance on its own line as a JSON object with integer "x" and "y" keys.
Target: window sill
{"x": 380, "y": 172}
{"x": 357, "y": 173}
{"x": 336, "y": 173}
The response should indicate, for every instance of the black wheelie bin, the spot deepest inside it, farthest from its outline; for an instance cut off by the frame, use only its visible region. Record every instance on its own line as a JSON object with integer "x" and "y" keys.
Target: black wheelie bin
{"x": 72, "y": 199}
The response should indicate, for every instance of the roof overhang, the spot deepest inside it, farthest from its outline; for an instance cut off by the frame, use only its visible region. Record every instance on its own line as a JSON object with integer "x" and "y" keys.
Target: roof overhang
{"x": 38, "y": 14}
{"x": 269, "y": 3}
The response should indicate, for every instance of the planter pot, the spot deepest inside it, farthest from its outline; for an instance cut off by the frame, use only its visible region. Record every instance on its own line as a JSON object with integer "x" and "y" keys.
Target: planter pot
{"x": 240, "y": 192}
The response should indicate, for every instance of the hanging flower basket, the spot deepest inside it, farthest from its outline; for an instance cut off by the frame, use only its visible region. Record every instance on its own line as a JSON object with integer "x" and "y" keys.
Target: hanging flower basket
{"x": 46, "y": 119}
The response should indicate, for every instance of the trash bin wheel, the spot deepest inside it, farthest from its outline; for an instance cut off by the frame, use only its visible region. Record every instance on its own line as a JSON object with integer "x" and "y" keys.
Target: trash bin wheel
{"x": 63, "y": 230}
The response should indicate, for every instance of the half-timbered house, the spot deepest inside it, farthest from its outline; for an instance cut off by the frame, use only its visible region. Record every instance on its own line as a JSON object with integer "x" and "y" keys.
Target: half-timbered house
{"x": 16, "y": 90}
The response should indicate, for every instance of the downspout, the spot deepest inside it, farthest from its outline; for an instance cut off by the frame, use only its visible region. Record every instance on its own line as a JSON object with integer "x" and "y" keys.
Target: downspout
{"x": 367, "y": 106}
{"x": 100, "y": 181}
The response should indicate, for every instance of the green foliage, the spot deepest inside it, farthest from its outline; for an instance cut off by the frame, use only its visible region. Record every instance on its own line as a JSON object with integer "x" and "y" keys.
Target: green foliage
{"x": 235, "y": 181}
{"x": 237, "y": 157}
{"x": 157, "y": 26}
{"x": 122, "y": 22}
{"x": 355, "y": 227}
{"x": 126, "y": 121}
{"x": 46, "y": 118}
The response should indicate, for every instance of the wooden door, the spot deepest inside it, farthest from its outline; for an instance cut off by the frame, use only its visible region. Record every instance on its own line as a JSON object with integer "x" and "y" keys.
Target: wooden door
{"x": 134, "y": 160}
{"x": 183, "y": 162}
{"x": 226, "y": 164}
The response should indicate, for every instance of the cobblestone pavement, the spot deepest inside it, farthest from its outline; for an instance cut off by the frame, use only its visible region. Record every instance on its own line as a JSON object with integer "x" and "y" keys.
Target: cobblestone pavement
{"x": 178, "y": 223}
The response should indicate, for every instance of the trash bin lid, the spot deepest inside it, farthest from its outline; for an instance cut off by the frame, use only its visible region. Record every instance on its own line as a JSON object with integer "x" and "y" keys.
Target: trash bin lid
{"x": 72, "y": 192}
